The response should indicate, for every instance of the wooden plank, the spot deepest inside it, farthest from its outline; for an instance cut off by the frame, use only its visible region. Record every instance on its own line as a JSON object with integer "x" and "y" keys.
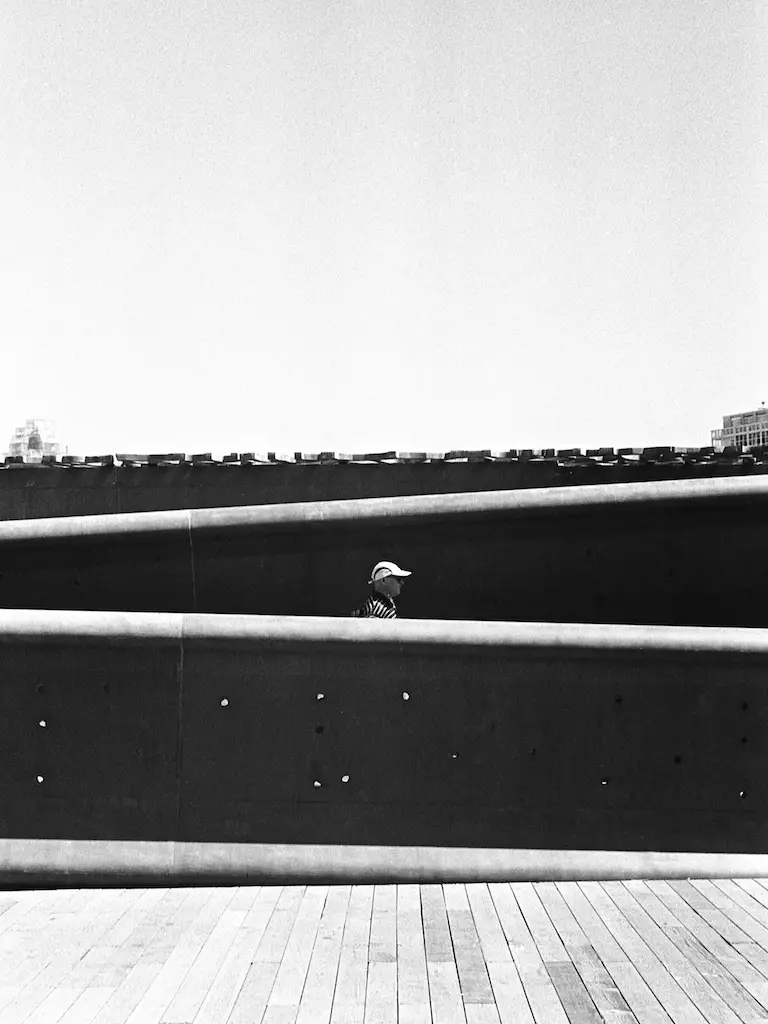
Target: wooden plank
{"x": 677, "y": 1005}
{"x": 298, "y": 952}
{"x": 141, "y": 957}
{"x": 692, "y": 951}
{"x": 474, "y": 982}
{"x": 383, "y": 940}
{"x": 189, "y": 998}
{"x": 194, "y": 924}
{"x": 89, "y": 913}
{"x": 643, "y": 1004}
{"x": 708, "y": 911}
{"x": 220, "y": 999}
{"x": 541, "y": 993}
{"x": 511, "y": 1000}
{"x": 543, "y": 1000}
{"x": 749, "y": 940}
{"x": 33, "y": 995}
{"x": 40, "y": 997}
{"x": 444, "y": 993}
{"x": 481, "y": 1013}
{"x": 40, "y": 938}
{"x": 544, "y": 934}
{"x": 696, "y": 928}
{"x": 519, "y": 939}
{"x": 652, "y": 951}
{"x": 698, "y": 989}
{"x": 744, "y": 900}
{"x": 414, "y": 1013}
{"x": 602, "y": 988}
{"x": 251, "y": 1001}
{"x": 272, "y": 946}
{"x": 594, "y": 928}
{"x": 573, "y": 995}
{"x": 317, "y": 997}
{"x": 253, "y": 997}
{"x": 244, "y": 897}
{"x": 733, "y": 911}
{"x": 437, "y": 934}
{"x": 381, "y": 993}
{"x": 87, "y": 1006}
{"x": 280, "y": 1015}
{"x": 755, "y": 890}
{"x": 352, "y": 978}
{"x": 61, "y": 998}
{"x": 32, "y": 935}
{"x": 684, "y": 913}
{"x": 487, "y": 925}
{"x": 412, "y": 982}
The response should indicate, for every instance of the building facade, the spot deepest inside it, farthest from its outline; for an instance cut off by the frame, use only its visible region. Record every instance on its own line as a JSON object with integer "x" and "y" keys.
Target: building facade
{"x": 743, "y": 429}
{"x": 34, "y": 440}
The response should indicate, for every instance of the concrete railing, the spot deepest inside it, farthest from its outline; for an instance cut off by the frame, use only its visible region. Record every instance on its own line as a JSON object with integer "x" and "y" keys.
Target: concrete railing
{"x": 687, "y": 553}
{"x": 195, "y": 746}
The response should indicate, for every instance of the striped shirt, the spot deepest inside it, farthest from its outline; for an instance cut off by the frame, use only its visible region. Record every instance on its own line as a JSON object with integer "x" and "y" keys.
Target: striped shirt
{"x": 378, "y": 606}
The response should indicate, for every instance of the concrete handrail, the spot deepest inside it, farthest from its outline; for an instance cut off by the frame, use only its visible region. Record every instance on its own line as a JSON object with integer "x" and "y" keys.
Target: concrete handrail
{"x": 36, "y": 626}
{"x": 249, "y": 519}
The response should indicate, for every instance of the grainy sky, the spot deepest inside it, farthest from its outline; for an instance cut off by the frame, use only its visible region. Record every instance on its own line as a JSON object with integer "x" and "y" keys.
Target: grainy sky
{"x": 363, "y": 225}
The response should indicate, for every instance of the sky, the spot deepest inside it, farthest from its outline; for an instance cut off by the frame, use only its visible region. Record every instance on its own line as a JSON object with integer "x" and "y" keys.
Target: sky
{"x": 372, "y": 225}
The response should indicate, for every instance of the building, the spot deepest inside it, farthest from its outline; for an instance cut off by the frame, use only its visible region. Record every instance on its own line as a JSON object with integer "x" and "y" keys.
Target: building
{"x": 743, "y": 429}
{"x": 34, "y": 440}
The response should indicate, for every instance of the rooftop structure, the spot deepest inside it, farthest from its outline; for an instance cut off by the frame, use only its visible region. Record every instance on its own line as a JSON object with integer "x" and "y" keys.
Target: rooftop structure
{"x": 742, "y": 429}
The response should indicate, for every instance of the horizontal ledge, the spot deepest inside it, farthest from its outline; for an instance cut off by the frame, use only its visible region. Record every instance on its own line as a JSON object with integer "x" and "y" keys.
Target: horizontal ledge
{"x": 30, "y": 862}
{"x": 382, "y": 511}
{"x": 81, "y": 628}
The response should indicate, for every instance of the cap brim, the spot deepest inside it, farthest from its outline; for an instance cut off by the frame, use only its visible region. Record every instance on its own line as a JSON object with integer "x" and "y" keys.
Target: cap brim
{"x": 401, "y": 575}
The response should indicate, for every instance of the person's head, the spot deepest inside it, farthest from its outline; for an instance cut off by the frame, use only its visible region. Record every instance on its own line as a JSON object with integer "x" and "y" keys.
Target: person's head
{"x": 388, "y": 578}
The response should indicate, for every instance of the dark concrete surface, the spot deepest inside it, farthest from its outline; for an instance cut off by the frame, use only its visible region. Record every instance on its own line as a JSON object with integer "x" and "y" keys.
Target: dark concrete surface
{"x": 203, "y": 729}
{"x": 689, "y": 553}
{"x": 33, "y": 492}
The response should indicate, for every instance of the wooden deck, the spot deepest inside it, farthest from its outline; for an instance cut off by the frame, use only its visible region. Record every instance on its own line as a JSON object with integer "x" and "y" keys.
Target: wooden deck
{"x": 550, "y": 953}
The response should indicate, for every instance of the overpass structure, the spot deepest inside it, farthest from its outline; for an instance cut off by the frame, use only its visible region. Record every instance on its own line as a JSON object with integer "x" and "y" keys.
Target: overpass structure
{"x": 578, "y": 690}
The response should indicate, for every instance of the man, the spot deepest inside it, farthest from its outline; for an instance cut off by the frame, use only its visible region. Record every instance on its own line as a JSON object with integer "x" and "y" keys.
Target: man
{"x": 387, "y": 580}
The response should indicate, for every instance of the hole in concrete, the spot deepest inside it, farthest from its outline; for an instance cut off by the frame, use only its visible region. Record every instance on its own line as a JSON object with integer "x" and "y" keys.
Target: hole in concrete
{"x": 42, "y": 723}
{"x": 106, "y": 687}
{"x": 744, "y": 706}
{"x": 618, "y": 699}
{"x": 533, "y": 751}
{"x": 678, "y": 759}
{"x": 406, "y": 696}
{"x": 224, "y": 702}
{"x": 345, "y": 778}
{"x": 40, "y": 688}
{"x": 744, "y": 739}
{"x": 319, "y": 729}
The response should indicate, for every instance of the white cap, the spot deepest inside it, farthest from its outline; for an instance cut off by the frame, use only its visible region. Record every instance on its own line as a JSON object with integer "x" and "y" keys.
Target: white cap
{"x": 383, "y": 569}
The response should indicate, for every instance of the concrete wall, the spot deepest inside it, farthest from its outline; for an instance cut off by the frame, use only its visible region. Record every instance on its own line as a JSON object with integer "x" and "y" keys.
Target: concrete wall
{"x": 403, "y": 735}
{"x": 34, "y": 492}
{"x": 688, "y": 553}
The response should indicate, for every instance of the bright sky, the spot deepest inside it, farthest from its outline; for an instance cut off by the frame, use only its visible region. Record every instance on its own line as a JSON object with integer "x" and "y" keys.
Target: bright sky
{"x": 238, "y": 225}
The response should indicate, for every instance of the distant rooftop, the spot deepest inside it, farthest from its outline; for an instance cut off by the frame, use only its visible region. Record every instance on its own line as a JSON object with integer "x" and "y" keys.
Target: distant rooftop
{"x": 565, "y": 456}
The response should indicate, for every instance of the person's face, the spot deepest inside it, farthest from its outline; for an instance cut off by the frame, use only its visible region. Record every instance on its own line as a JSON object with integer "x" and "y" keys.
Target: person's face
{"x": 392, "y": 585}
